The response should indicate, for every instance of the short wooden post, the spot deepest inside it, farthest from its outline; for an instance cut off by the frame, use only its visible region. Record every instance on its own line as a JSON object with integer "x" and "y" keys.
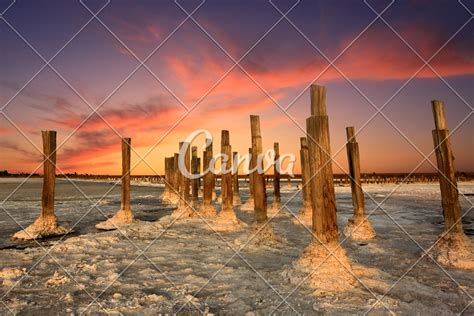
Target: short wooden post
{"x": 305, "y": 213}
{"x": 353, "y": 160}
{"x": 251, "y": 166}
{"x": 207, "y": 209}
{"x": 235, "y": 177}
{"x": 124, "y": 215}
{"x": 184, "y": 201}
{"x": 259, "y": 192}
{"x": 447, "y": 178}
{"x": 47, "y": 223}
{"x": 358, "y": 227}
{"x": 226, "y": 175}
{"x": 169, "y": 180}
{"x": 176, "y": 176}
{"x": 323, "y": 197}
{"x": 276, "y": 204}
{"x": 195, "y": 182}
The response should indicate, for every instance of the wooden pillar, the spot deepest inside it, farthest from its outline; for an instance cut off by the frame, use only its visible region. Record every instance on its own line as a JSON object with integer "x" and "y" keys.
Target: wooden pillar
{"x": 235, "y": 177}
{"x": 276, "y": 204}
{"x": 195, "y": 171}
{"x": 259, "y": 192}
{"x": 447, "y": 178}
{"x": 124, "y": 215}
{"x": 353, "y": 160}
{"x": 185, "y": 182}
{"x": 323, "y": 198}
{"x": 168, "y": 178}
{"x": 207, "y": 209}
{"x": 288, "y": 181}
{"x": 47, "y": 223}
{"x": 126, "y": 143}
{"x": 176, "y": 175}
{"x": 226, "y": 175}
{"x": 251, "y": 166}
{"x": 49, "y": 177}
{"x": 305, "y": 211}
{"x": 200, "y": 178}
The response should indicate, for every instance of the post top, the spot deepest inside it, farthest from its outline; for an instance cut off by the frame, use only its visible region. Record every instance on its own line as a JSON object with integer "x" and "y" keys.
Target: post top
{"x": 303, "y": 142}
{"x": 225, "y": 137}
{"x": 318, "y": 100}
{"x": 350, "y": 132}
{"x": 439, "y": 114}
{"x": 255, "y": 125}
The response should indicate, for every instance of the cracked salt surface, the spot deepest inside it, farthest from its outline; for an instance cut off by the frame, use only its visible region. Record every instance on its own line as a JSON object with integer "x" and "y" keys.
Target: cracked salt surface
{"x": 189, "y": 253}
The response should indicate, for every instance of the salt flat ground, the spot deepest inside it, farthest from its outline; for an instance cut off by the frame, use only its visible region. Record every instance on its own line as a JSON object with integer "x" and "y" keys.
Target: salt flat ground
{"x": 189, "y": 268}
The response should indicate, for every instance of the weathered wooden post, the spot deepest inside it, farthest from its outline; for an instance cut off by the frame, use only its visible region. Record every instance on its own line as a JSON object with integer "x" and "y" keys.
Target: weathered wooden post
{"x": 124, "y": 215}
{"x": 176, "y": 179}
{"x": 199, "y": 180}
{"x": 226, "y": 220}
{"x": 235, "y": 177}
{"x": 195, "y": 182}
{"x": 323, "y": 197}
{"x": 259, "y": 191}
{"x": 276, "y": 203}
{"x": 358, "y": 227}
{"x": 184, "y": 209}
{"x": 166, "y": 196}
{"x": 305, "y": 214}
{"x": 207, "y": 209}
{"x": 334, "y": 270}
{"x": 226, "y": 175}
{"x": 47, "y": 223}
{"x": 249, "y": 203}
{"x": 454, "y": 248}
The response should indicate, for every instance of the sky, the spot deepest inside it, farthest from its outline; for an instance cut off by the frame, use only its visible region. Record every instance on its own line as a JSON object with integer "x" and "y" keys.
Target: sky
{"x": 155, "y": 74}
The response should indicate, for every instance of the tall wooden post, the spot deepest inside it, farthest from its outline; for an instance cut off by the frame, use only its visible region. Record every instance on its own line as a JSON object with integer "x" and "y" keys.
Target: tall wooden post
{"x": 276, "y": 204}
{"x": 447, "y": 178}
{"x": 305, "y": 213}
{"x": 235, "y": 177}
{"x": 126, "y": 143}
{"x": 358, "y": 227}
{"x": 195, "y": 182}
{"x": 259, "y": 192}
{"x": 47, "y": 223}
{"x": 49, "y": 177}
{"x": 454, "y": 248}
{"x": 207, "y": 209}
{"x": 226, "y": 175}
{"x": 124, "y": 215}
{"x": 323, "y": 197}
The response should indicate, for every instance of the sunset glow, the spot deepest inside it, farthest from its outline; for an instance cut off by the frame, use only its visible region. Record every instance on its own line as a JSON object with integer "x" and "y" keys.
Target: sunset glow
{"x": 194, "y": 67}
